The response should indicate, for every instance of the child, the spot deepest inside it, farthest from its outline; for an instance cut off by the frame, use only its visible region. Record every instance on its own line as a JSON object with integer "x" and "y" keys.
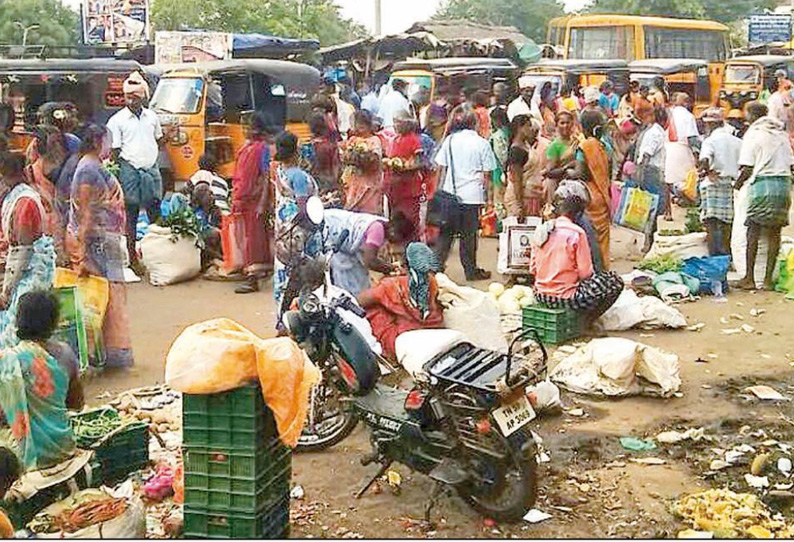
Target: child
{"x": 217, "y": 185}
{"x": 10, "y": 471}
{"x": 500, "y": 143}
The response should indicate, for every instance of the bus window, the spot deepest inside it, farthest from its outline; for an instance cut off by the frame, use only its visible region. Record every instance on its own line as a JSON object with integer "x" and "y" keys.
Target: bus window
{"x": 602, "y": 42}
{"x": 684, "y": 43}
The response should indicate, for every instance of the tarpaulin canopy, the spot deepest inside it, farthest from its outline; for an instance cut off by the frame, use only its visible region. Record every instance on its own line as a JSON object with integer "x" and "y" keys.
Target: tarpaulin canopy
{"x": 249, "y": 44}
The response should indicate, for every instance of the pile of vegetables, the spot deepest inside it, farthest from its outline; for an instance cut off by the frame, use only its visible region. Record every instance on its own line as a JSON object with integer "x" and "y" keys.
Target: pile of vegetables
{"x": 513, "y": 299}
{"x": 80, "y": 516}
{"x": 90, "y": 427}
{"x": 661, "y": 264}
{"x": 183, "y": 223}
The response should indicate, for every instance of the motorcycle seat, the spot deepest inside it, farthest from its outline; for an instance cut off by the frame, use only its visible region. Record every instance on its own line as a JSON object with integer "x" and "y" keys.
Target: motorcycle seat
{"x": 385, "y": 401}
{"x": 415, "y": 348}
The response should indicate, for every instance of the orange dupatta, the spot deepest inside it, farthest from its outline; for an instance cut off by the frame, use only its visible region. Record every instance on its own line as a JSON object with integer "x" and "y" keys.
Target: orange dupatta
{"x": 597, "y": 162}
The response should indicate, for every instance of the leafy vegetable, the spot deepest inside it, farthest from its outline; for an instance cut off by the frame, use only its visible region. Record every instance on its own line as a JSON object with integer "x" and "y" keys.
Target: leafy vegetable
{"x": 661, "y": 264}
{"x": 184, "y": 222}
{"x": 693, "y": 223}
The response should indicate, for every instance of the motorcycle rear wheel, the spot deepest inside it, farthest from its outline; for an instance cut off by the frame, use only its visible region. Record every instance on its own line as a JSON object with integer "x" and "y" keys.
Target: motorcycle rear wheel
{"x": 326, "y": 433}
{"x": 516, "y": 475}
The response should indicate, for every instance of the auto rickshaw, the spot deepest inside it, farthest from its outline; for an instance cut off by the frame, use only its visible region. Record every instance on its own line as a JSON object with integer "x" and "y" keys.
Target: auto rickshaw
{"x": 456, "y": 72}
{"x": 575, "y": 74}
{"x": 208, "y": 105}
{"x": 748, "y": 78}
{"x": 690, "y": 76}
{"x": 93, "y": 85}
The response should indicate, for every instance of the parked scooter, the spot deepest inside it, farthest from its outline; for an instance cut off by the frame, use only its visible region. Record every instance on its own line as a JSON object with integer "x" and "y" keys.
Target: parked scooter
{"x": 465, "y": 423}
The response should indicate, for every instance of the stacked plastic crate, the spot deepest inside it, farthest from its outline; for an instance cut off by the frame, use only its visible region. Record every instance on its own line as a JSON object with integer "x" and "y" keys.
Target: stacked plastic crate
{"x": 555, "y": 326}
{"x": 237, "y": 471}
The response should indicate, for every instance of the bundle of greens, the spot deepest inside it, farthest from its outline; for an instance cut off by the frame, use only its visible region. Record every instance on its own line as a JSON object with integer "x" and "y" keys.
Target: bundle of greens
{"x": 183, "y": 223}
{"x": 661, "y": 264}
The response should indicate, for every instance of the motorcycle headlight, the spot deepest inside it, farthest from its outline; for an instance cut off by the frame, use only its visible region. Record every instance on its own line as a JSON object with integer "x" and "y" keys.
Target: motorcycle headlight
{"x": 743, "y": 93}
{"x": 723, "y": 94}
{"x": 753, "y": 95}
{"x": 310, "y": 305}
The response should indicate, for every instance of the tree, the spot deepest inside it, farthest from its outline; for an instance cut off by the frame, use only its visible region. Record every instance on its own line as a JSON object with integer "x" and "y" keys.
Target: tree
{"x": 725, "y": 11}
{"x": 318, "y": 19}
{"x": 531, "y": 17}
{"x": 58, "y": 25}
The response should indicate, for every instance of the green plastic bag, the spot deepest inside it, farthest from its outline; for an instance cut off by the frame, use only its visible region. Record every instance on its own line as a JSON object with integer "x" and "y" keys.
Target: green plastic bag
{"x": 785, "y": 282}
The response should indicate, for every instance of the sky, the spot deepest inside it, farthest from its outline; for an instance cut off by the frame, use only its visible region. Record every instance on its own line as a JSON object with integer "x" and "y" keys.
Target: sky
{"x": 397, "y": 15}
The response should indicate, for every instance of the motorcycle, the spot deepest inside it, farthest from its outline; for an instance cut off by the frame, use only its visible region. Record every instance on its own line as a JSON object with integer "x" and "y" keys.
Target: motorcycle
{"x": 465, "y": 423}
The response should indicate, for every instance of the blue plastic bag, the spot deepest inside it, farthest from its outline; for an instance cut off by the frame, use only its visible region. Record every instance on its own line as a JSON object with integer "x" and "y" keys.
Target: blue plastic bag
{"x": 708, "y": 270}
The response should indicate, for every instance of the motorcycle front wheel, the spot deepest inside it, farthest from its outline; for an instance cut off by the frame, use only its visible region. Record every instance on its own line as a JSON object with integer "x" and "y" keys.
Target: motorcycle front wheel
{"x": 328, "y": 422}
{"x": 504, "y": 488}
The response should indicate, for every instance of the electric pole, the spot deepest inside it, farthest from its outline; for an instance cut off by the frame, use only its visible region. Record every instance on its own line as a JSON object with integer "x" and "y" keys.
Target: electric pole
{"x": 378, "y": 18}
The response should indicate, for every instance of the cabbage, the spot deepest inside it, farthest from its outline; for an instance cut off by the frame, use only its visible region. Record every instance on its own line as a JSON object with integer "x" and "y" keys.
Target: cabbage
{"x": 496, "y": 289}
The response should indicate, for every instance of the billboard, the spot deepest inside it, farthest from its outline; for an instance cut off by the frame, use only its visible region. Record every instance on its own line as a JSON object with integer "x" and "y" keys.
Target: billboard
{"x": 115, "y": 21}
{"x": 768, "y": 28}
{"x": 178, "y": 47}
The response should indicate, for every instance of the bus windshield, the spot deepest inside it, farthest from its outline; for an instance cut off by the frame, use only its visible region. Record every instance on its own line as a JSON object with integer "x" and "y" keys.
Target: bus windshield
{"x": 742, "y": 74}
{"x": 602, "y": 42}
{"x": 178, "y": 95}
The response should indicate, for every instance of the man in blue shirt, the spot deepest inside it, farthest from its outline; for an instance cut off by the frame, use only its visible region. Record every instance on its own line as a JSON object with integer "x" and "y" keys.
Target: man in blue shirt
{"x": 608, "y": 101}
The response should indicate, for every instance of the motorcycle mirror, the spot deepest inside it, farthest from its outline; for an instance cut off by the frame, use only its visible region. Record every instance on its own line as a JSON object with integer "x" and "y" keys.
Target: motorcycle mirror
{"x": 315, "y": 211}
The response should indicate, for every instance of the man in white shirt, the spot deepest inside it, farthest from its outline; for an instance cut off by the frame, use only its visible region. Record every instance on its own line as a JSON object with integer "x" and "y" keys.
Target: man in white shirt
{"x": 683, "y": 145}
{"x": 650, "y": 165}
{"x": 719, "y": 167}
{"x": 136, "y": 135}
{"x": 765, "y": 160}
{"x": 467, "y": 161}
{"x": 524, "y": 104}
{"x": 394, "y": 102}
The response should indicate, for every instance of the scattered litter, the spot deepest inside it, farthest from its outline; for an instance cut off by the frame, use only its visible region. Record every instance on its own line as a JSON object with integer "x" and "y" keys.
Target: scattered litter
{"x": 647, "y": 335}
{"x": 718, "y": 464}
{"x": 725, "y": 321}
{"x": 543, "y": 457}
{"x": 756, "y": 482}
{"x": 615, "y": 464}
{"x": 697, "y": 327}
{"x": 758, "y": 464}
{"x": 766, "y": 356}
{"x": 737, "y": 316}
{"x": 297, "y": 493}
{"x": 678, "y": 394}
{"x": 734, "y": 331}
{"x": 578, "y": 412}
{"x": 695, "y": 535}
{"x": 536, "y": 516}
{"x": 713, "y": 356}
{"x": 745, "y": 448}
{"x": 701, "y": 360}
{"x": 747, "y": 328}
{"x": 672, "y": 437}
{"x": 394, "y": 478}
{"x": 765, "y": 393}
{"x": 784, "y": 487}
{"x": 648, "y": 460}
{"x": 784, "y": 465}
{"x": 706, "y": 386}
{"x": 757, "y": 312}
{"x": 634, "y": 444}
{"x": 731, "y": 456}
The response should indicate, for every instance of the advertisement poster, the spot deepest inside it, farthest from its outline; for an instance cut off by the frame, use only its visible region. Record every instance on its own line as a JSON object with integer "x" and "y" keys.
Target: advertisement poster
{"x": 115, "y": 21}
{"x": 768, "y": 28}
{"x": 179, "y": 47}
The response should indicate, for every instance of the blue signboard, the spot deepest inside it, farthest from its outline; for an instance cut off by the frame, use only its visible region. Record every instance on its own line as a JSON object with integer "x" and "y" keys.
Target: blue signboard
{"x": 768, "y": 28}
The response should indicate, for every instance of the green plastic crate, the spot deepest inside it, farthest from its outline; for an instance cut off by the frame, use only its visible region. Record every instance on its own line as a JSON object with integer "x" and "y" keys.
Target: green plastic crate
{"x": 555, "y": 326}
{"x": 203, "y": 481}
{"x": 225, "y": 463}
{"x": 272, "y": 522}
{"x": 236, "y": 419}
{"x": 268, "y": 488}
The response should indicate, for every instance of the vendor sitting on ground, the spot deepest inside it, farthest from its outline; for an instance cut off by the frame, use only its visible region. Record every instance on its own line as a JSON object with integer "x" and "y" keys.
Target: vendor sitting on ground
{"x": 562, "y": 265}
{"x": 10, "y": 471}
{"x": 406, "y": 302}
{"x": 36, "y": 388}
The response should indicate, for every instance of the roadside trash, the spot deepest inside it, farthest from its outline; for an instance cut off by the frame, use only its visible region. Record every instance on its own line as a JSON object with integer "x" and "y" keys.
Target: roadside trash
{"x": 757, "y": 312}
{"x": 544, "y": 396}
{"x": 634, "y": 444}
{"x": 734, "y": 331}
{"x": 724, "y": 320}
{"x": 756, "y": 482}
{"x": 730, "y": 515}
{"x": 536, "y": 516}
{"x": 297, "y": 493}
{"x": 758, "y": 464}
{"x": 718, "y": 464}
{"x": 765, "y": 393}
{"x": 619, "y": 367}
{"x": 394, "y": 478}
{"x": 648, "y": 460}
{"x": 784, "y": 465}
{"x": 697, "y": 327}
{"x": 747, "y": 328}
{"x": 647, "y": 312}
{"x": 695, "y": 535}
{"x": 672, "y": 437}
{"x": 577, "y": 412}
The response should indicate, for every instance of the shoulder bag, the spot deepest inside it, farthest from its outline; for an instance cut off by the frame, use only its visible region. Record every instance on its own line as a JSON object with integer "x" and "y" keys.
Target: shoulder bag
{"x": 444, "y": 209}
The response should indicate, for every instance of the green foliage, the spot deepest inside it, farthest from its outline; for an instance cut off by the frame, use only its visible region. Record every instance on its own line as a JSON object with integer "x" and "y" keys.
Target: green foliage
{"x": 58, "y": 25}
{"x": 531, "y": 17}
{"x": 725, "y": 11}
{"x": 319, "y": 19}
{"x": 183, "y": 223}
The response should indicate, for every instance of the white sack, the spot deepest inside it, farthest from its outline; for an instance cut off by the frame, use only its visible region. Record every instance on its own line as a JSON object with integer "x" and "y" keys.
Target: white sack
{"x": 472, "y": 312}
{"x": 169, "y": 261}
{"x": 691, "y": 245}
{"x": 647, "y": 312}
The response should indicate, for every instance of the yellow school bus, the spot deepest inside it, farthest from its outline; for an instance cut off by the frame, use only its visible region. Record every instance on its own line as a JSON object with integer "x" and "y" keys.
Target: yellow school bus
{"x": 631, "y": 37}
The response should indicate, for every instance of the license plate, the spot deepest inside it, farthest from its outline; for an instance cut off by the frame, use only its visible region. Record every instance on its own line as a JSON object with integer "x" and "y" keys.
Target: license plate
{"x": 513, "y": 416}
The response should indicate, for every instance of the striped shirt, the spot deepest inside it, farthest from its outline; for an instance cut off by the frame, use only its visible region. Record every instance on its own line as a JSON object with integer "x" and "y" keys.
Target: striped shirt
{"x": 218, "y": 186}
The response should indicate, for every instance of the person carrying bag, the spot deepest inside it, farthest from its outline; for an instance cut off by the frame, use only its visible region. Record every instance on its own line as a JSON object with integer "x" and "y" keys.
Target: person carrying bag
{"x": 455, "y": 208}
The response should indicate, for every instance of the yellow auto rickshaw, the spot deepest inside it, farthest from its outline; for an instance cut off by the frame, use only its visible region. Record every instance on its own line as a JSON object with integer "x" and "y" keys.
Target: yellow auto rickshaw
{"x": 690, "y": 76}
{"x": 425, "y": 76}
{"x": 749, "y": 78}
{"x": 205, "y": 107}
{"x": 576, "y": 74}
{"x": 94, "y": 86}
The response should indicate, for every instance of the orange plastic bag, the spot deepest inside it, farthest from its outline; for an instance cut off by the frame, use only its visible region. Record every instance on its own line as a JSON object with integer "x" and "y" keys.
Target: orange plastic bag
{"x": 232, "y": 243}
{"x": 220, "y": 355}
{"x": 690, "y": 188}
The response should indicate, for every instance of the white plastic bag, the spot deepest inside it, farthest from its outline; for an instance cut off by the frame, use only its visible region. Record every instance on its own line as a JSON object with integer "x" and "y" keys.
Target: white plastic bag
{"x": 647, "y": 312}
{"x": 169, "y": 261}
{"x": 691, "y": 245}
{"x": 504, "y": 245}
{"x": 472, "y": 312}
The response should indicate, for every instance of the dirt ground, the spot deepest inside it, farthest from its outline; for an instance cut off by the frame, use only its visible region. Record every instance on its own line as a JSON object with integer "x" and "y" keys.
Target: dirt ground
{"x": 590, "y": 486}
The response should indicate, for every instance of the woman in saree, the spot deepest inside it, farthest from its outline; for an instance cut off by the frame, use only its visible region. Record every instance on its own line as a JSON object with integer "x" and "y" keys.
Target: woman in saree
{"x": 29, "y": 252}
{"x": 36, "y": 388}
{"x": 406, "y": 302}
{"x": 43, "y": 173}
{"x": 94, "y": 240}
{"x": 524, "y": 195}
{"x": 561, "y": 152}
{"x": 363, "y": 176}
{"x": 405, "y": 172}
{"x": 594, "y": 168}
{"x": 293, "y": 187}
